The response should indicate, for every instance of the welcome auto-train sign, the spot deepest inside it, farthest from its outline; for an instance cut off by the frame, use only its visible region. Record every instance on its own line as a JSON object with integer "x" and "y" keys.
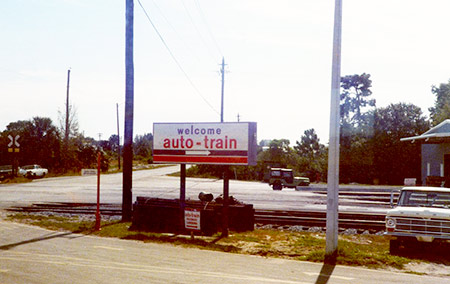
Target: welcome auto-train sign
{"x": 231, "y": 143}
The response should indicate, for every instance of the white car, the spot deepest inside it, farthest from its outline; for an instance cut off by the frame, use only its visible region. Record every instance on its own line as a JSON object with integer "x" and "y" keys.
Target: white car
{"x": 33, "y": 171}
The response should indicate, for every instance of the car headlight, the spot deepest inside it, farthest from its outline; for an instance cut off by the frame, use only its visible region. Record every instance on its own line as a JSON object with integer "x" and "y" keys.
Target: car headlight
{"x": 390, "y": 224}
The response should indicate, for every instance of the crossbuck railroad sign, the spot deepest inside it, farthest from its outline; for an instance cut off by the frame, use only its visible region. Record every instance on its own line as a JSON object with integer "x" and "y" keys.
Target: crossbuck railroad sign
{"x": 13, "y": 142}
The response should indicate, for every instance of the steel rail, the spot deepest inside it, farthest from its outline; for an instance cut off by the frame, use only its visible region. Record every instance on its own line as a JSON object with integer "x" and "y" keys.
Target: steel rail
{"x": 307, "y": 218}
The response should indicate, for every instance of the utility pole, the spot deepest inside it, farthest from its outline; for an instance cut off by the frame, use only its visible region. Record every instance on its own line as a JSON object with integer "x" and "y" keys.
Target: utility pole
{"x": 226, "y": 179}
{"x": 333, "y": 152}
{"x": 118, "y": 135}
{"x": 127, "y": 182}
{"x": 222, "y": 71}
{"x": 67, "y": 130}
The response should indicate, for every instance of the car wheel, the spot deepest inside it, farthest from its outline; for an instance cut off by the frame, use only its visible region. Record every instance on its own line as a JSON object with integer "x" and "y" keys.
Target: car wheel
{"x": 277, "y": 186}
{"x": 394, "y": 247}
{"x": 28, "y": 175}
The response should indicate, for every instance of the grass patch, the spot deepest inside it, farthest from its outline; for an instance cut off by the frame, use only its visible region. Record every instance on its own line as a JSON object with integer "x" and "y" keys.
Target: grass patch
{"x": 136, "y": 167}
{"x": 18, "y": 179}
{"x": 358, "y": 250}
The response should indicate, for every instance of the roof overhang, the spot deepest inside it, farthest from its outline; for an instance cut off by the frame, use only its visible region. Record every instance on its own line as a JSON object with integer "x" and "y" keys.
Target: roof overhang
{"x": 436, "y": 135}
{"x": 429, "y": 138}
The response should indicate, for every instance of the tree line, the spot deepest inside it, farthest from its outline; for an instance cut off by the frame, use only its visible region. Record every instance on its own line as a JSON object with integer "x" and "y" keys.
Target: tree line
{"x": 370, "y": 148}
{"x": 43, "y": 143}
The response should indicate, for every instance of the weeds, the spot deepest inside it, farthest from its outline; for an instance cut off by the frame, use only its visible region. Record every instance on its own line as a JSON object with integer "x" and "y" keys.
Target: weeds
{"x": 369, "y": 251}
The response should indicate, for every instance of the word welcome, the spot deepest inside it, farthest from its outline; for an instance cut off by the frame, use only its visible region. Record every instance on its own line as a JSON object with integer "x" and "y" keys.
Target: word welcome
{"x": 199, "y": 131}
{"x": 206, "y": 142}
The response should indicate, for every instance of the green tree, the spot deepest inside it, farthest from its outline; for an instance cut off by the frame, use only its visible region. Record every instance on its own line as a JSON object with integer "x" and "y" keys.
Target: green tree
{"x": 312, "y": 156}
{"x": 39, "y": 141}
{"x": 142, "y": 147}
{"x": 113, "y": 143}
{"x": 395, "y": 160}
{"x": 441, "y": 109}
{"x": 280, "y": 152}
{"x": 356, "y": 129}
{"x": 355, "y": 98}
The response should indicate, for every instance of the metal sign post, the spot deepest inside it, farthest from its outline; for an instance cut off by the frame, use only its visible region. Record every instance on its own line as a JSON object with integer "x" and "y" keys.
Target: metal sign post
{"x": 182, "y": 193}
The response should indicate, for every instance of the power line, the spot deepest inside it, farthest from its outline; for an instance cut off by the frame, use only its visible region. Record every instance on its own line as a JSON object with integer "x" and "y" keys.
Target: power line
{"x": 207, "y": 26}
{"x": 185, "y": 43}
{"x": 175, "y": 60}
{"x": 197, "y": 30}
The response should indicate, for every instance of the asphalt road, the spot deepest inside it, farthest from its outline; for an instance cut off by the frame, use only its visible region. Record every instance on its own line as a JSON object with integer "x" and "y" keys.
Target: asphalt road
{"x": 34, "y": 255}
{"x": 156, "y": 183}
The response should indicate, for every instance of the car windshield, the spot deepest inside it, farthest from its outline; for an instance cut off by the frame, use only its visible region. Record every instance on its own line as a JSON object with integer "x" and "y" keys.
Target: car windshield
{"x": 287, "y": 174}
{"x": 276, "y": 173}
{"x": 424, "y": 199}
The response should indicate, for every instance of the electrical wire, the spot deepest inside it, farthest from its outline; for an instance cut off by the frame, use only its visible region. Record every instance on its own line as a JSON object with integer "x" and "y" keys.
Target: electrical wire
{"x": 197, "y": 30}
{"x": 175, "y": 60}
{"x": 185, "y": 43}
{"x": 208, "y": 27}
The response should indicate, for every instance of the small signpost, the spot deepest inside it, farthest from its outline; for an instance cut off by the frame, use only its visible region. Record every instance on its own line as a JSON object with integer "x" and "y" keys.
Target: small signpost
{"x": 14, "y": 148}
{"x": 192, "y": 219}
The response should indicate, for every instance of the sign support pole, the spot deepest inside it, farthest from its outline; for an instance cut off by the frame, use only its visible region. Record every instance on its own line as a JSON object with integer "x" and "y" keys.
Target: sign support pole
{"x": 182, "y": 193}
{"x": 226, "y": 207}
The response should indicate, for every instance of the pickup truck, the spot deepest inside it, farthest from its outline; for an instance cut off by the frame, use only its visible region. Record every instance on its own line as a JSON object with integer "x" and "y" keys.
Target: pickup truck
{"x": 422, "y": 214}
{"x": 33, "y": 171}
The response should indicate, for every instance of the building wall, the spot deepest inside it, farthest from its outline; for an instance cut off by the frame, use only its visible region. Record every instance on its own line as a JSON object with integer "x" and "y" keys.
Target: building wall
{"x": 433, "y": 159}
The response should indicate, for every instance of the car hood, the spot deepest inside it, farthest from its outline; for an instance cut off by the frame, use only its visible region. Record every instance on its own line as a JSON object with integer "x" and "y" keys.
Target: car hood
{"x": 420, "y": 212}
{"x": 302, "y": 178}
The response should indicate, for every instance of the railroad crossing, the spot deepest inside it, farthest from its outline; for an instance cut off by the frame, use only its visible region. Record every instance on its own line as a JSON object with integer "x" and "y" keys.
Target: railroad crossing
{"x": 305, "y": 206}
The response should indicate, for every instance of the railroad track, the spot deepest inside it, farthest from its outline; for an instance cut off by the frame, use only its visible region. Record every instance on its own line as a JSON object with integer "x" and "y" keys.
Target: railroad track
{"x": 70, "y": 209}
{"x": 354, "y": 220}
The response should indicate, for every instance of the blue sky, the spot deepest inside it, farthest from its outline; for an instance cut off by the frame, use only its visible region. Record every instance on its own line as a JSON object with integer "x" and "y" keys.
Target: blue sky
{"x": 278, "y": 56}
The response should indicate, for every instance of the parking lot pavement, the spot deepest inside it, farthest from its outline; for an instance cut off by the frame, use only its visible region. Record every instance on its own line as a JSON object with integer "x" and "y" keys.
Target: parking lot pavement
{"x": 156, "y": 183}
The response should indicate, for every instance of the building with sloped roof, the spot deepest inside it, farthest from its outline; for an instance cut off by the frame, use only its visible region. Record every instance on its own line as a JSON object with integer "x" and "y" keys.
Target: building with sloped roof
{"x": 435, "y": 151}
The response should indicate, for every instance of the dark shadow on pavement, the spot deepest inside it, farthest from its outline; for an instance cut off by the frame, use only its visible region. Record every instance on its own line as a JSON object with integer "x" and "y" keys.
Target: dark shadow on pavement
{"x": 325, "y": 273}
{"x": 35, "y": 240}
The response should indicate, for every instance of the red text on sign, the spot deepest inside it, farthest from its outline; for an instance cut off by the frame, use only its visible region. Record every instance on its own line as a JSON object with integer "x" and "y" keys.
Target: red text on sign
{"x": 206, "y": 142}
